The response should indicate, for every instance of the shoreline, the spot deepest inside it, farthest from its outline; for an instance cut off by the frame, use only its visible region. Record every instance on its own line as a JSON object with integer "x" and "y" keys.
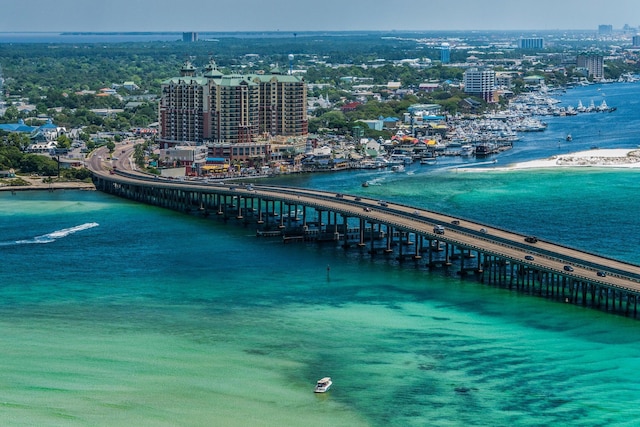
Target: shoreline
{"x": 624, "y": 158}
{"x": 36, "y": 184}
{"x": 608, "y": 158}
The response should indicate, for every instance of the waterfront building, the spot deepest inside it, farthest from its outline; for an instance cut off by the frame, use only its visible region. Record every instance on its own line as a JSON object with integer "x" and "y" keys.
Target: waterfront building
{"x": 635, "y": 41}
{"x": 480, "y": 82}
{"x": 282, "y": 104}
{"x": 183, "y": 111}
{"x": 235, "y": 115}
{"x": 593, "y": 63}
{"x": 531, "y": 43}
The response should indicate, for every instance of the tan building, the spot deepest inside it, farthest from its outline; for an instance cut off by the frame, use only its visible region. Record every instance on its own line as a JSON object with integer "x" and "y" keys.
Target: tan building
{"x": 594, "y": 64}
{"x": 224, "y": 110}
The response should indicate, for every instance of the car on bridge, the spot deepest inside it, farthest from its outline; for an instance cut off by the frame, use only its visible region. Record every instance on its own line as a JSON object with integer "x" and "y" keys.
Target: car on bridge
{"x": 568, "y": 268}
{"x": 601, "y": 273}
{"x": 438, "y": 229}
{"x": 528, "y": 257}
{"x": 531, "y": 239}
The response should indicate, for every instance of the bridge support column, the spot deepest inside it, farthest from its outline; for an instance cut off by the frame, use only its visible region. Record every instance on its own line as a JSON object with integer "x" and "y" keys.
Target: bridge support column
{"x": 389, "y": 238}
{"x": 260, "y": 220}
{"x": 281, "y": 226}
{"x": 418, "y": 248}
{"x": 304, "y": 217}
{"x": 239, "y": 213}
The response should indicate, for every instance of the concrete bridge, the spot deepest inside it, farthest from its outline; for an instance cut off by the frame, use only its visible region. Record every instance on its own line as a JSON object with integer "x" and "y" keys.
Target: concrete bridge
{"x": 492, "y": 255}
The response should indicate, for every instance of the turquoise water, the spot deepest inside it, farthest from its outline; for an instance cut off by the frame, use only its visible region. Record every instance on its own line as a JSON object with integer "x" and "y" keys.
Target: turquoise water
{"x": 115, "y": 313}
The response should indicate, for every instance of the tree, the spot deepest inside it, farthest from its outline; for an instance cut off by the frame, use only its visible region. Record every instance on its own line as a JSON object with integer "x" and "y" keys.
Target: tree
{"x": 111, "y": 146}
{"x": 34, "y": 163}
{"x": 138, "y": 155}
{"x": 11, "y": 114}
{"x": 19, "y": 140}
{"x": 63, "y": 142}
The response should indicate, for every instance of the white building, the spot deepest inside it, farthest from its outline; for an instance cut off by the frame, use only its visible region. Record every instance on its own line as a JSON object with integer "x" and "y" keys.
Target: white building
{"x": 480, "y": 82}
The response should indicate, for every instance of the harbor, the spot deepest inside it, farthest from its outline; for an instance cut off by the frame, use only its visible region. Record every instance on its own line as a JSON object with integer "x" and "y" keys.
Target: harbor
{"x": 470, "y": 139}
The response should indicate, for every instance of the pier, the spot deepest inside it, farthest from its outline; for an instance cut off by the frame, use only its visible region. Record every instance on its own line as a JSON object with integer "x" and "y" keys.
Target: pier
{"x": 411, "y": 235}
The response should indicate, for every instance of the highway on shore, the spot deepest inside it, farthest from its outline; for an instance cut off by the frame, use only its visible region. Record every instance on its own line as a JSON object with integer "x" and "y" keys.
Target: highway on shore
{"x": 512, "y": 246}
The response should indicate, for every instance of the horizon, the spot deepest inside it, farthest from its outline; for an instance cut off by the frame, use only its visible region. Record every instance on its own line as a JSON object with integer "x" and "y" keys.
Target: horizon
{"x": 297, "y": 32}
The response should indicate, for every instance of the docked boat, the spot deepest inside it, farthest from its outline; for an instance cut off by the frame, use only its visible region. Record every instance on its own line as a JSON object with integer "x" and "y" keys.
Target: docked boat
{"x": 467, "y": 150}
{"x": 397, "y": 168}
{"x": 428, "y": 161}
{"x": 323, "y": 385}
{"x": 485, "y": 149}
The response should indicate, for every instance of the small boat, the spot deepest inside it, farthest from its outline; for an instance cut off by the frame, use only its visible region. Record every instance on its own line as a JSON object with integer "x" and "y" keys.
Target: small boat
{"x": 569, "y": 137}
{"x": 323, "y": 385}
{"x": 365, "y": 184}
{"x": 428, "y": 161}
{"x": 397, "y": 168}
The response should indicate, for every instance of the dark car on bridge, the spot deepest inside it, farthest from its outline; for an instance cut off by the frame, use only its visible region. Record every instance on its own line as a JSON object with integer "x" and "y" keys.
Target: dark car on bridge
{"x": 528, "y": 257}
{"x": 568, "y": 268}
{"x": 601, "y": 273}
{"x": 531, "y": 239}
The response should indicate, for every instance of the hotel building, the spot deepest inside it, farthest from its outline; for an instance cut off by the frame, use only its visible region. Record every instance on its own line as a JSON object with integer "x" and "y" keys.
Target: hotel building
{"x": 531, "y": 43}
{"x": 236, "y": 116}
{"x": 480, "y": 82}
{"x": 594, "y": 64}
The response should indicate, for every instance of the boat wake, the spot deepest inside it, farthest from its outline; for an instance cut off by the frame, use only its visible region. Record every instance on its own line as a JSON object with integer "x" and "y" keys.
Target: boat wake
{"x": 52, "y": 237}
{"x": 473, "y": 165}
{"x": 376, "y": 181}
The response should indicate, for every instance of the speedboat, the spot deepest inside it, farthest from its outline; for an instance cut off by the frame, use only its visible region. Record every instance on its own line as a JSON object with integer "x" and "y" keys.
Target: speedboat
{"x": 323, "y": 385}
{"x": 428, "y": 161}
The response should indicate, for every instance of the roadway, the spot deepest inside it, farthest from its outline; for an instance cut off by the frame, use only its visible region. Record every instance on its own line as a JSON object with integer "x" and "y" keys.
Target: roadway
{"x": 503, "y": 243}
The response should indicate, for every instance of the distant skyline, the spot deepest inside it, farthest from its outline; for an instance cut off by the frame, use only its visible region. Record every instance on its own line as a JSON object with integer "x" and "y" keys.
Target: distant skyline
{"x": 305, "y": 15}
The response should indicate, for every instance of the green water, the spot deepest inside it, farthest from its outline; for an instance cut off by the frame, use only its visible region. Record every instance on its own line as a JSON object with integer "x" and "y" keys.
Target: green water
{"x": 158, "y": 318}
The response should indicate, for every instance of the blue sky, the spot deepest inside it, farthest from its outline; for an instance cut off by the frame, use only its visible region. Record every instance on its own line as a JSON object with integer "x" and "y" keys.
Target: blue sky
{"x": 301, "y": 15}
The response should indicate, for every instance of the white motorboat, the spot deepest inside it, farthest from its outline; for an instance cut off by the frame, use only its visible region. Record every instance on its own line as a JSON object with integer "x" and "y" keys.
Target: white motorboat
{"x": 467, "y": 150}
{"x": 323, "y": 385}
{"x": 428, "y": 161}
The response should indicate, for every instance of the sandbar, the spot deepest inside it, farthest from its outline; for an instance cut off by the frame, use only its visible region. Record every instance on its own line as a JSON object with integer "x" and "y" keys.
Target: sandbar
{"x": 605, "y": 158}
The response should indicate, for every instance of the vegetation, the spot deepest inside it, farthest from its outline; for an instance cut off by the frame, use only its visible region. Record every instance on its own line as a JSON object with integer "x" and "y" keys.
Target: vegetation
{"x": 64, "y": 80}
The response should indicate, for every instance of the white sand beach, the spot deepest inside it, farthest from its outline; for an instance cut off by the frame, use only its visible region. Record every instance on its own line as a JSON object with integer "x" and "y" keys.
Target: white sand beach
{"x": 615, "y": 158}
